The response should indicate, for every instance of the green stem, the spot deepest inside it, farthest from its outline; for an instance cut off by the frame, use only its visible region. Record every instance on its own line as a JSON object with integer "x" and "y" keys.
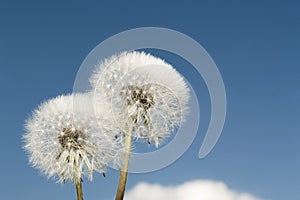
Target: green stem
{"x": 79, "y": 191}
{"x": 124, "y": 168}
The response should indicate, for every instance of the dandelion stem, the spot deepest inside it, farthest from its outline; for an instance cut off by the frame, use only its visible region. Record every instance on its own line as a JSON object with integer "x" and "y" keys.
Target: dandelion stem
{"x": 124, "y": 169}
{"x": 79, "y": 191}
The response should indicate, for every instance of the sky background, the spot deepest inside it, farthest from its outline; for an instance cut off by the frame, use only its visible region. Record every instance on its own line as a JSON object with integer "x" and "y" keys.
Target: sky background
{"x": 255, "y": 45}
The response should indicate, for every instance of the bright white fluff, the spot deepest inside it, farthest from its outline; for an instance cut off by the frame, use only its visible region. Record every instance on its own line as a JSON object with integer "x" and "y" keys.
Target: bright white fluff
{"x": 65, "y": 140}
{"x": 144, "y": 92}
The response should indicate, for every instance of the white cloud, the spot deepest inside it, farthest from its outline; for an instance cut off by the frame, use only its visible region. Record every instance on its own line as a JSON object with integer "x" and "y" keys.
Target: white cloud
{"x": 193, "y": 190}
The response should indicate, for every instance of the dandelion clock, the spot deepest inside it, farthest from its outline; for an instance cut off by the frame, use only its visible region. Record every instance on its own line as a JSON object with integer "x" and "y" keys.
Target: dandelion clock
{"x": 148, "y": 99}
{"x": 65, "y": 140}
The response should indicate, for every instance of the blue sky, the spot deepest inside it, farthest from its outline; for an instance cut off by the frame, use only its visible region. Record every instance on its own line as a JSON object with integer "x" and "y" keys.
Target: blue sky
{"x": 255, "y": 45}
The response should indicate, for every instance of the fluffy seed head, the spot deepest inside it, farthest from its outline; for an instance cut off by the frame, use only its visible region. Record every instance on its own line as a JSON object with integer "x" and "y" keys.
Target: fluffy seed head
{"x": 65, "y": 141}
{"x": 144, "y": 92}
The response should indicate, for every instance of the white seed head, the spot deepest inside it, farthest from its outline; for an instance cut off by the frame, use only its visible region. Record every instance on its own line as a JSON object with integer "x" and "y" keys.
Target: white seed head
{"x": 65, "y": 141}
{"x": 148, "y": 94}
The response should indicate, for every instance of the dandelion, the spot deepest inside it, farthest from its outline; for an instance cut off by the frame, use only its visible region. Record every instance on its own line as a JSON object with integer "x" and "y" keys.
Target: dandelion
{"x": 148, "y": 99}
{"x": 66, "y": 142}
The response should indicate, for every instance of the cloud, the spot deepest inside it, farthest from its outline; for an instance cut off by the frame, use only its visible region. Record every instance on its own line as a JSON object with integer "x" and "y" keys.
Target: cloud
{"x": 192, "y": 190}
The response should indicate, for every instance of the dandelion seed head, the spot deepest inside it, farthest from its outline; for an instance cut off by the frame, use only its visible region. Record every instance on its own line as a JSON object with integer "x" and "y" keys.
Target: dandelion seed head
{"x": 66, "y": 141}
{"x": 145, "y": 93}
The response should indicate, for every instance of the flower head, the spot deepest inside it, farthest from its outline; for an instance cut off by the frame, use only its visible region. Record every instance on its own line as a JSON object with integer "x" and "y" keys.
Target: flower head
{"x": 65, "y": 140}
{"x": 145, "y": 93}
